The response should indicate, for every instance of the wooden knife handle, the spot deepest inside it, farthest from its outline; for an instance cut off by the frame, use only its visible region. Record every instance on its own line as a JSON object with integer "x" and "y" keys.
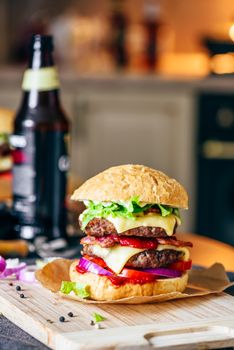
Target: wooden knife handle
{"x": 16, "y": 247}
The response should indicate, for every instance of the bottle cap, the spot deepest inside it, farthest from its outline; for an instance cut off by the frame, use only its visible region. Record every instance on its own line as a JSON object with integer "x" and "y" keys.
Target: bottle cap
{"x": 41, "y": 42}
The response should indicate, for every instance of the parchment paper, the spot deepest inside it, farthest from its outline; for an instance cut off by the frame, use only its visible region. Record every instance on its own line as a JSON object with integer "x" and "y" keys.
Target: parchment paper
{"x": 201, "y": 282}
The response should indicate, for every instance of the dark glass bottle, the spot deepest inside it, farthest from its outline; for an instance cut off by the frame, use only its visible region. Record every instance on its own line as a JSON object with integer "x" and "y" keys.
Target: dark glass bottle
{"x": 119, "y": 30}
{"x": 40, "y": 149}
{"x": 152, "y": 24}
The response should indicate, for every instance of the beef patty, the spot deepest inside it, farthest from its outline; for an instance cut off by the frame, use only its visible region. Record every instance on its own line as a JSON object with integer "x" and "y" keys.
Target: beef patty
{"x": 147, "y": 258}
{"x": 101, "y": 227}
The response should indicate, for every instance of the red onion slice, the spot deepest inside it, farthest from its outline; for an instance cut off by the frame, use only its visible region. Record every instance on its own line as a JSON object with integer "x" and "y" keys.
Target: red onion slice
{"x": 88, "y": 265}
{"x": 2, "y": 264}
{"x": 12, "y": 270}
{"x": 27, "y": 275}
{"x": 161, "y": 271}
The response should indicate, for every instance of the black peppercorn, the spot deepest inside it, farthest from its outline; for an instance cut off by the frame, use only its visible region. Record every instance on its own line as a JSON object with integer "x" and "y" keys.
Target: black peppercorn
{"x": 70, "y": 314}
{"x": 18, "y": 288}
{"x": 92, "y": 323}
{"x": 22, "y": 295}
{"x": 61, "y": 318}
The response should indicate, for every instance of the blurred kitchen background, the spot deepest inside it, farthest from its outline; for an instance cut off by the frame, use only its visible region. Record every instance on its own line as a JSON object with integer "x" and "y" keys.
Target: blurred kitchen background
{"x": 143, "y": 81}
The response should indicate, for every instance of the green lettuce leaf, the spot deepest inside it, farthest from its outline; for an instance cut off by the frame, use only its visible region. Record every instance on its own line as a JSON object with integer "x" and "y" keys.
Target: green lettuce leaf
{"x": 81, "y": 290}
{"x": 165, "y": 210}
{"x": 128, "y": 210}
{"x": 98, "y": 317}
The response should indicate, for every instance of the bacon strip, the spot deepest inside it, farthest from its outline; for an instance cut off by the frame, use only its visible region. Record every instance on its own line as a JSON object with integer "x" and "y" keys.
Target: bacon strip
{"x": 104, "y": 242}
{"x": 174, "y": 241}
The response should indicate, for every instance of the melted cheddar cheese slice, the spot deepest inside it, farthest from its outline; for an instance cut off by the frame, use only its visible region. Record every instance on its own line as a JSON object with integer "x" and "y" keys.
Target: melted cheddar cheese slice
{"x": 116, "y": 257}
{"x": 167, "y": 223}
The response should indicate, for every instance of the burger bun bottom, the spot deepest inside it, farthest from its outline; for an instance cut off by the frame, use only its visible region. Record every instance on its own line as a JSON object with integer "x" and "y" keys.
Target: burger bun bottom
{"x": 101, "y": 288}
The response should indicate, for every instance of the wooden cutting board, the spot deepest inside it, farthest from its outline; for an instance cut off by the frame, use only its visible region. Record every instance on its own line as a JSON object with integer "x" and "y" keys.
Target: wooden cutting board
{"x": 195, "y": 323}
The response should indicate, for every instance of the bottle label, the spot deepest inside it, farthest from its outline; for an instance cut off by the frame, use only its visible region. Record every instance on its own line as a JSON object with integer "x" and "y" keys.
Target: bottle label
{"x": 40, "y": 166}
{"x": 43, "y": 79}
{"x": 23, "y": 180}
{"x": 24, "y": 175}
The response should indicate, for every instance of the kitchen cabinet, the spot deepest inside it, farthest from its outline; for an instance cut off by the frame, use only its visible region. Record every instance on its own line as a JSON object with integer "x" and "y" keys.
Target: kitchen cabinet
{"x": 9, "y": 98}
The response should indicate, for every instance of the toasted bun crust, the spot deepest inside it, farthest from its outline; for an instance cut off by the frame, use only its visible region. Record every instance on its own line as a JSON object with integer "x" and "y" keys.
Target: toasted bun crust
{"x": 102, "y": 289}
{"x": 123, "y": 182}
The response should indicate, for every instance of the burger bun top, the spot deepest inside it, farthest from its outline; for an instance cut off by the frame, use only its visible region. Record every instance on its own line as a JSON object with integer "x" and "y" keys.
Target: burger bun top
{"x": 122, "y": 183}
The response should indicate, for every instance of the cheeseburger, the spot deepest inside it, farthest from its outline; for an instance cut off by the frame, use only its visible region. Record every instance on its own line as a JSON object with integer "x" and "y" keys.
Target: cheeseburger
{"x": 130, "y": 247}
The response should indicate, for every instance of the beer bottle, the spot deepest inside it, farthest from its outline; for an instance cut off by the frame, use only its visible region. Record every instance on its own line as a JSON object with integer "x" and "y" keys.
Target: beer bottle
{"x": 40, "y": 151}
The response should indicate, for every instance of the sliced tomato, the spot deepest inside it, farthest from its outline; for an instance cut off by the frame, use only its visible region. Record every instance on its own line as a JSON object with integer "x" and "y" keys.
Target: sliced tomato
{"x": 139, "y": 276}
{"x": 118, "y": 281}
{"x": 142, "y": 243}
{"x": 96, "y": 260}
{"x": 80, "y": 270}
{"x": 181, "y": 265}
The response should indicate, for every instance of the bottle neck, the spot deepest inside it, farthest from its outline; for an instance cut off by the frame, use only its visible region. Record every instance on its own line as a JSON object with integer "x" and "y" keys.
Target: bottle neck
{"x": 43, "y": 99}
{"x": 40, "y": 59}
{"x": 40, "y": 82}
